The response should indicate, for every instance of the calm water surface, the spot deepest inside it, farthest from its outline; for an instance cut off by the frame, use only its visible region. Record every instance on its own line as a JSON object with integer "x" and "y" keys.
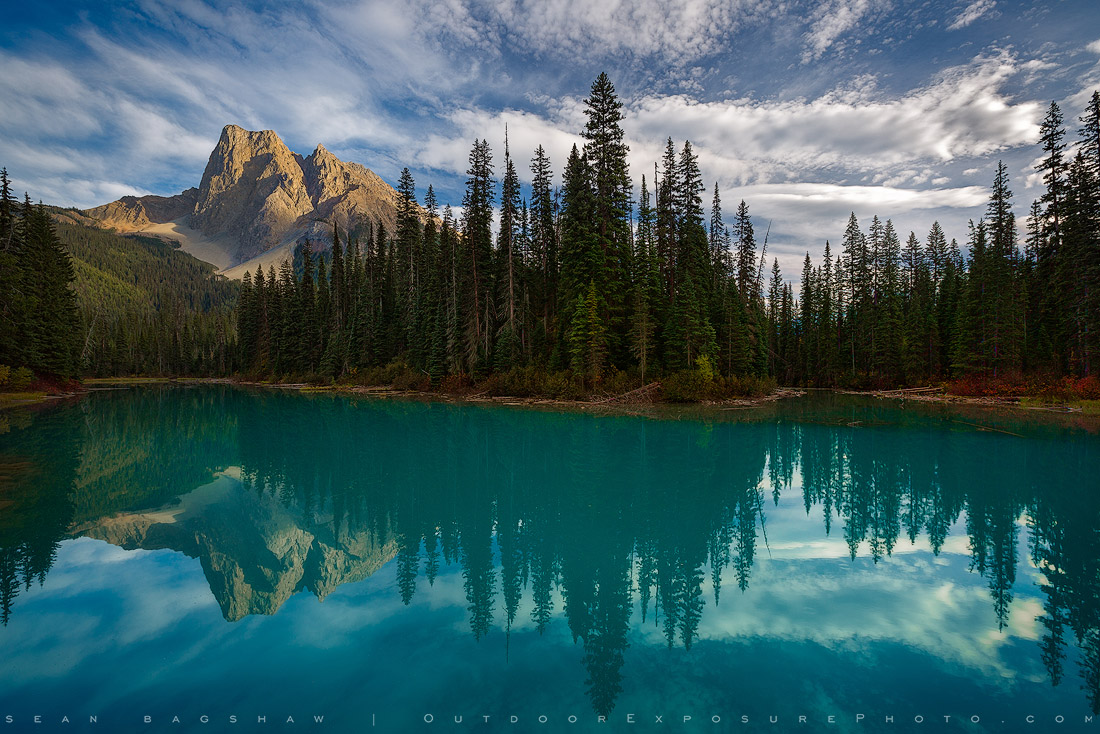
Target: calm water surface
{"x": 213, "y": 551}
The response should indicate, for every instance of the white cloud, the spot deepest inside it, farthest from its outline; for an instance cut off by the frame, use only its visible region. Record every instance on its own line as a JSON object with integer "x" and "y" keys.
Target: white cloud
{"x": 526, "y": 131}
{"x": 971, "y": 13}
{"x": 964, "y": 113}
{"x": 677, "y": 30}
{"x": 830, "y": 22}
{"x": 808, "y": 196}
{"x": 1094, "y": 47}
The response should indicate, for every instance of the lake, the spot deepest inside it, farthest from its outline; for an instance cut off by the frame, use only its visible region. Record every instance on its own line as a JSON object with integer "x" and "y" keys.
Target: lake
{"x": 215, "y": 558}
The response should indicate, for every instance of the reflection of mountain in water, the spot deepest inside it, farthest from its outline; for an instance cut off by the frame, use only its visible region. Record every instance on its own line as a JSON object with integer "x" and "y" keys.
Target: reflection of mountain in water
{"x": 256, "y": 551}
{"x": 603, "y": 513}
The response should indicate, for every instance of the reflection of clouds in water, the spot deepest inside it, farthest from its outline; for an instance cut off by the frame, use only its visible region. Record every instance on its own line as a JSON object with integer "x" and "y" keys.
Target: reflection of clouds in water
{"x": 806, "y": 592}
{"x": 826, "y": 603}
{"x": 943, "y": 613}
{"x": 97, "y": 600}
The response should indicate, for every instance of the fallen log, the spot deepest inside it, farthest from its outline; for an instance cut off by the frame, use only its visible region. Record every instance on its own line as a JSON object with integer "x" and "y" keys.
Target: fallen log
{"x": 640, "y": 392}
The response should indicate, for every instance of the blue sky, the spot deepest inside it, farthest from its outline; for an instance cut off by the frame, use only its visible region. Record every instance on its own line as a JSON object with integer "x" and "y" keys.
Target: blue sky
{"x": 806, "y": 110}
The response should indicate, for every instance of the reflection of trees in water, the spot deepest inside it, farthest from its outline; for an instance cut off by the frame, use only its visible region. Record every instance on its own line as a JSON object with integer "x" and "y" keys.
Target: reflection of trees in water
{"x": 35, "y": 508}
{"x": 603, "y": 513}
{"x": 613, "y": 512}
{"x": 1065, "y": 544}
{"x": 66, "y": 467}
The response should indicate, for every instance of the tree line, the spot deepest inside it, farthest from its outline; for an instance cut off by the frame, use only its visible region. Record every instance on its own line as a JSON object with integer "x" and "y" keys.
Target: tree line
{"x": 585, "y": 283}
{"x": 576, "y": 279}
{"x": 568, "y": 283}
{"x": 922, "y": 311}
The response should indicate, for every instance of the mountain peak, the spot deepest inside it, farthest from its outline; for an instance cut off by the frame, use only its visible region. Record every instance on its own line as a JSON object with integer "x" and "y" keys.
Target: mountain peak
{"x": 257, "y": 198}
{"x": 252, "y": 187}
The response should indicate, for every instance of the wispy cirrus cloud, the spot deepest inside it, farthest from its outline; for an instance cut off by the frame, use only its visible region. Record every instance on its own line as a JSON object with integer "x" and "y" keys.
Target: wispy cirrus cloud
{"x": 971, "y": 13}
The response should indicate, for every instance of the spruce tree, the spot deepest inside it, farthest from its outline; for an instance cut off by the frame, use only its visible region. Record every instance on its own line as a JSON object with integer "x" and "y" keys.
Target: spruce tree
{"x": 668, "y": 217}
{"x": 477, "y": 240}
{"x": 605, "y": 152}
{"x": 891, "y": 307}
{"x": 509, "y": 272}
{"x": 1000, "y": 273}
{"x": 12, "y": 297}
{"x": 544, "y": 252}
{"x": 407, "y": 256}
{"x": 588, "y": 335}
{"x": 582, "y": 259}
{"x": 305, "y": 326}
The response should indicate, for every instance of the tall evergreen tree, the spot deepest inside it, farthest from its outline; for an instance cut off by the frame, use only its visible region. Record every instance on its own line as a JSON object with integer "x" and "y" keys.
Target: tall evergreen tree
{"x": 544, "y": 253}
{"x": 509, "y": 273}
{"x": 477, "y": 238}
{"x": 605, "y": 152}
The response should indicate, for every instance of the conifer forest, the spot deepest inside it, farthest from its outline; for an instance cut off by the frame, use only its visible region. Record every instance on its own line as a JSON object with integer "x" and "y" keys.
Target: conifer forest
{"x": 609, "y": 280}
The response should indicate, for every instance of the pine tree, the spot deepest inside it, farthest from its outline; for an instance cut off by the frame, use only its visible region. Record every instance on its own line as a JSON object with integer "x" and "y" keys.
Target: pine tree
{"x": 306, "y": 328}
{"x": 544, "y": 251}
{"x": 509, "y": 273}
{"x": 1005, "y": 319}
{"x": 891, "y": 308}
{"x": 647, "y": 288}
{"x": 807, "y": 316}
{"x": 431, "y": 314}
{"x": 12, "y": 296}
{"x": 47, "y": 279}
{"x": 338, "y": 284}
{"x": 330, "y": 344}
{"x": 1080, "y": 266}
{"x": 582, "y": 260}
{"x": 261, "y": 361}
{"x": 858, "y": 284}
{"x": 972, "y": 329}
{"x": 407, "y": 256}
{"x": 718, "y": 240}
{"x": 247, "y": 336}
{"x": 668, "y": 217}
{"x": 827, "y": 341}
{"x": 746, "y": 253}
{"x": 690, "y": 332}
{"x": 588, "y": 335}
{"x": 1053, "y": 167}
{"x": 477, "y": 239}
{"x": 1090, "y": 140}
{"x": 605, "y": 152}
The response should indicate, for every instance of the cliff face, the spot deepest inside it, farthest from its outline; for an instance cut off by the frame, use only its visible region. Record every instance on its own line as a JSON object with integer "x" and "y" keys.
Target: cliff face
{"x": 253, "y": 189}
{"x": 257, "y": 196}
{"x": 255, "y": 551}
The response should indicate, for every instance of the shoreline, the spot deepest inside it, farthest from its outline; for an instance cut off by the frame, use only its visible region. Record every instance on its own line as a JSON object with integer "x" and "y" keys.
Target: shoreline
{"x": 628, "y": 403}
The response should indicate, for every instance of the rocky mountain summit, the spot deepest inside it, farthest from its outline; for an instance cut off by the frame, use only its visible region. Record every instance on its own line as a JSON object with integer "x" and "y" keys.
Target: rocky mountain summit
{"x": 257, "y": 199}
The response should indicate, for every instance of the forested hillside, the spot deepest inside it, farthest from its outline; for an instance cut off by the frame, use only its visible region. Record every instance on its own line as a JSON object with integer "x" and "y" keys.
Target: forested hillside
{"x": 77, "y": 300}
{"x": 147, "y": 307}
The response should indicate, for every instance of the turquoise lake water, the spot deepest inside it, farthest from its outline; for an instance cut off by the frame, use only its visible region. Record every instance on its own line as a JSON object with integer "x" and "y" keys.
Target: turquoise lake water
{"x": 392, "y": 565}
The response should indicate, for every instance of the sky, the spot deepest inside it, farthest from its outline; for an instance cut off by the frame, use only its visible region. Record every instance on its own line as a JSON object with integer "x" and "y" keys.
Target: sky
{"x": 809, "y": 111}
